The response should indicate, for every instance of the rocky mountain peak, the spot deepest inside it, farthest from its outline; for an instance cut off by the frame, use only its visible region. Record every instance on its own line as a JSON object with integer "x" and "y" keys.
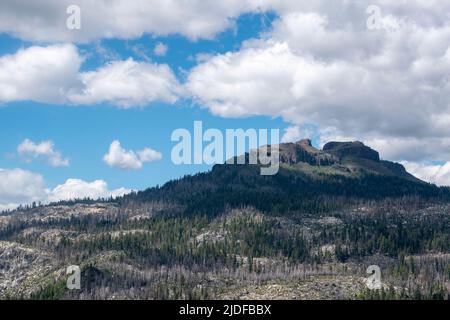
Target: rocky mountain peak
{"x": 305, "y": 142}
{"x": 355, "y": 149}
{"x": 303, "y": 151}
{"x": 348, "y": 156}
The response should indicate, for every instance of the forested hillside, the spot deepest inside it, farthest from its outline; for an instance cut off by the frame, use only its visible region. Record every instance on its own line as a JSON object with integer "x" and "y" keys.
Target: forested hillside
{"x": 309, "y": 232}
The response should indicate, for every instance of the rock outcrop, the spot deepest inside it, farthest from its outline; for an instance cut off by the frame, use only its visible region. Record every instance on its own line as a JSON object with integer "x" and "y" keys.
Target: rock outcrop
{"x": 348, "y": 156}
{"x": 303, "y": 151}
{"x": 351, "y": 149}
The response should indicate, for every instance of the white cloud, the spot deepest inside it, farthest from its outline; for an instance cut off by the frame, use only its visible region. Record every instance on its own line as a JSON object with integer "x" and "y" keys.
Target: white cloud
{"x": 43, "y": 74}
{"x": 311, "y": 33}
{"x": 128, "y": 83}
{"x": 79, "y": 189}
{"x": 46, "y": 20}
{"x": 297, "y": 133}
{"x": 292, "y": 134}
{"x": 52, "y": 74}
{"x": 196, "y": 19}
{"x": 118, "y": 157}
{"x": 149, "y": 155}
{"x": 320, "y": 65}
{"x": 21, "y": 187}
{"x": 437, "y": 174}
{"x": 31, "y": 150}
{"x": 160, "y": 49}
{"x": 272, "y": 80}
{"x": 411, "y": 148}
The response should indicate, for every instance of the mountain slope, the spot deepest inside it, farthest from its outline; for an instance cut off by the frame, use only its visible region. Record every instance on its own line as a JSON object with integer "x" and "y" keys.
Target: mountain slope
{"x": 342, "y": 157}
{"x": 309, "y": 232}
{"x": 306, "y": 177}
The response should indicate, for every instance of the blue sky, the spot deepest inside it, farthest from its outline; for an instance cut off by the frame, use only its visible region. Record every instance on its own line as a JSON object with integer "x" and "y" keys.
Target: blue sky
{"x": 346, "y": 71}
{"x": 84, "y": 133}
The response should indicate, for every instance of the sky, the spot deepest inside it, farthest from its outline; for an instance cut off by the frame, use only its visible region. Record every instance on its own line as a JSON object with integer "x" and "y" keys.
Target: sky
{"x": 89, "y": 111}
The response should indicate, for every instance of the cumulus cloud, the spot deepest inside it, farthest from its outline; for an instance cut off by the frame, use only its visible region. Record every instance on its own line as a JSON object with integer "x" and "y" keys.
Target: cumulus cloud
{"x": 196, "y": 19}
{"x": 292, "y": 134}
{"x": 31, "y": 150}
{"x": 127, "y": 84}
{"x": 321, "y": 65}
{"x": 160, "y": 49}
{"x": 52, "y": 74}
{"x": 44, "y": 74}
{"x": 413, "y": 149}
{"x": 271, "y": 79}
{"x": 149, "y": 155}
{"x": 79, "y": 189}
{"x": 46, "y": 20}
{"x": 311, "y": 33}
{"x": 118, "y": 157}
{"x": 21, "y": 187}
{"x": 434, "y": 173}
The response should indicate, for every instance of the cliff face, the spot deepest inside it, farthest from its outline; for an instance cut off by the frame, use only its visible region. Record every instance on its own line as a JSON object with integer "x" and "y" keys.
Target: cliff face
{"x": 326, "y": 210}
{"x": 303, "y": 151}
{"x": 348, "y": 156}
{"x": 351, "y": 149}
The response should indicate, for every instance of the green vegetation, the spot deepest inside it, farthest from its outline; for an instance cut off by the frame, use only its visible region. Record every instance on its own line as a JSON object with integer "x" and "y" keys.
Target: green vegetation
{"x": 203, "y": 236}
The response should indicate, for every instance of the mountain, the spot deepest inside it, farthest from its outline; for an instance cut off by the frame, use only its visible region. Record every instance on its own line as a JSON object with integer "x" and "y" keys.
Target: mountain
{"x": 350, "y": 158}
{"x": 308, "y": 232}
{"x": 342, "y": 171}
